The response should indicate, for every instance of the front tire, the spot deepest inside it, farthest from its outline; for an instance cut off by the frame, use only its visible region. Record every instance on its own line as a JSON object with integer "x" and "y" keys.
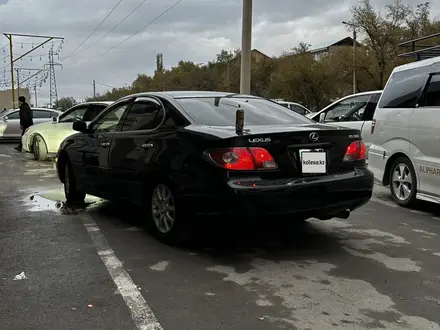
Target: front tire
{"x": 164, "y": 215}
{"x": 403, "y": 182}
{"x": 39, "y": 148}
{"x": 73, "y": 196}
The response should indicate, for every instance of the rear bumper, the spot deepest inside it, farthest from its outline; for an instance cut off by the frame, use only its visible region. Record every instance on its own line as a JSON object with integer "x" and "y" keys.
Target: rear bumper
{"x": 308, "y": 197}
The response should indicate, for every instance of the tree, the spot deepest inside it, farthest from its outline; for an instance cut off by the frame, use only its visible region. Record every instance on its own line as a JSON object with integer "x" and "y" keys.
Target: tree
{"x": 65, "y": 103}
{"x": 384, "y": 32}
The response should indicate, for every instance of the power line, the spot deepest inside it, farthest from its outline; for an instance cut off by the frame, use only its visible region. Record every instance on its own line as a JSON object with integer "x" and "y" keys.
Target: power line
{"x": 132, "y": 35}
{"x": 112, "y": 29}
{"x": 99, "y": 25}
{"x": 99, "y": 83}
{"x": 93, "y": 15}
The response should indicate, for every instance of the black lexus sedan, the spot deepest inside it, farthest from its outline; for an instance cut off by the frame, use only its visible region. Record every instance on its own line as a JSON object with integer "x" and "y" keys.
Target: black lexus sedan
{"x": 185, "y": 153}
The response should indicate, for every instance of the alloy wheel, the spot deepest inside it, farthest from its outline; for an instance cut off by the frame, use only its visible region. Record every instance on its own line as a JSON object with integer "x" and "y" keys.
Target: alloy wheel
{"x": 163, "y": 208}
{"x": 402, "y": 181}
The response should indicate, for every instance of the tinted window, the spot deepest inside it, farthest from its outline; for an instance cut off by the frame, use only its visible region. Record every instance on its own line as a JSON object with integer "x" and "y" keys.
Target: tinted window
{"x": 71, "y": 115}
{"x": 431, "y": 97}
{"x": 143, "y": 115}
{"x": 371, "y": 107}
{"x": 14, "y": 115}
{"x": 256, "y": 112}
{"x": 111, "y": 119}
{"x": 93, "y": 111}
{"x": 54, "y": 114}
{"x": 172, "y": 118}
{"x": 40, "y": 114}
{"x": 403, "y": 88}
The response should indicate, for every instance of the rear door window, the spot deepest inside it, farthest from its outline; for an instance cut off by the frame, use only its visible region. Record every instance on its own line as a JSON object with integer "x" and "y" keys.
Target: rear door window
{"x": 404, "y": 88}
{"x": 208, "y": 111}
{"x": 145, "y": 114}
{"x": 38, "y": 114}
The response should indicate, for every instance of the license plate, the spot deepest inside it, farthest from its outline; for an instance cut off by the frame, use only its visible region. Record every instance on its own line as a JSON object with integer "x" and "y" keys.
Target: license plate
{"x": 313, "y": 162}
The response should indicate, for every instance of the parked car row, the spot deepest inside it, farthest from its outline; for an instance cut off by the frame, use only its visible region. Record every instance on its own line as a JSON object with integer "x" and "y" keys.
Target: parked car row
{"x": 177, "y": 154}
{"x": 10, "y": 129}
{"x": 44, "y": 140}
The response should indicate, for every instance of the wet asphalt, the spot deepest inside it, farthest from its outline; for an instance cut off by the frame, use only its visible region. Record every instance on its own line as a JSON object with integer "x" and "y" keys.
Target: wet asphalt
{"x": 95, "y": 268}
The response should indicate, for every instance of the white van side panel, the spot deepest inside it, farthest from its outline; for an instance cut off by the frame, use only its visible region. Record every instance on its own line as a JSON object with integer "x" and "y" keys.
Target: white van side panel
{"x": 425, "y": 148}
{"x": 391, "y": 136}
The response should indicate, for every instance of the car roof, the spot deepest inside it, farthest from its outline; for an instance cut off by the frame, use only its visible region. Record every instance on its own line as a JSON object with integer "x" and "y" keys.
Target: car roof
{"x": 188, "y": 94}
{"x": 417, "y": 64}
{"x": 96, "y": 102}
{"x": 32, "y": 108}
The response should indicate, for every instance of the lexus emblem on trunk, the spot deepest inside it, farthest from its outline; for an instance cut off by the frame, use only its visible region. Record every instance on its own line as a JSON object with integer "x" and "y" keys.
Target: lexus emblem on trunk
{"x": 314, "y": 136}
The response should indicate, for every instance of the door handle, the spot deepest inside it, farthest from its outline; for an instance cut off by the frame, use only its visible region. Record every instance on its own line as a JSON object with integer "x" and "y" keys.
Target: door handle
{"x": 147, "y": 145}
{"x": 105, "y": 144}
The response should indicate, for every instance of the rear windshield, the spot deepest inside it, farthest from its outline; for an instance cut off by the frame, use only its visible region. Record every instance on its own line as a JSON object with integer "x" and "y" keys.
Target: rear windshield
{"x": 256, "y": 112}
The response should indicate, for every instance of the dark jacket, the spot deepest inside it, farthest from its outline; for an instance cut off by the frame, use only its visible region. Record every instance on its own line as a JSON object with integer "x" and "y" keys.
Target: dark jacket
{"x": 26, "y": 119}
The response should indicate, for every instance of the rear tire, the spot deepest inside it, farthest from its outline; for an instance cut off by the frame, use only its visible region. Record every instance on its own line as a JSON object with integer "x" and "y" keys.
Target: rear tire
{"x": 39, "y": 148}
{"x": 73, "y": 196}
{"x": 403, "y": 182}
{"x": 165, "y": 217}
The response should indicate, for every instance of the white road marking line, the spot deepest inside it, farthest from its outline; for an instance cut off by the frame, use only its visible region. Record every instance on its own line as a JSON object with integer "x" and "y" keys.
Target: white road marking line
{"x": 141, "y": 313}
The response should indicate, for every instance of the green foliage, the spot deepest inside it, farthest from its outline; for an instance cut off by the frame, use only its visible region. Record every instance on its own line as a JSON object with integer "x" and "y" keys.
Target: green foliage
{"x": 65, "y": 103}
{"x": 296, "y": 75}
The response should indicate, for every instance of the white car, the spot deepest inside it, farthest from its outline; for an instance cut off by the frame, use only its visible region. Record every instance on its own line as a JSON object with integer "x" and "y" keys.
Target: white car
{"x": 354, "y": 111}
{"x": 405, "y": 150}
{"x": 44, "y": 139}
{"x": 10, "y": 129}
{"x": 298, "y": 108}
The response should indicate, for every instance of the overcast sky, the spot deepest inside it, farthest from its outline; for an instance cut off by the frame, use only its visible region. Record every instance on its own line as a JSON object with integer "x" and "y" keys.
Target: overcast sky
{"x": 195, "y": 30}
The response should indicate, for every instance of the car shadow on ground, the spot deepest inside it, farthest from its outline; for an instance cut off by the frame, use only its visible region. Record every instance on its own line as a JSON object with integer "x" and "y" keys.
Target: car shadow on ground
{"x": 231, "y": 236}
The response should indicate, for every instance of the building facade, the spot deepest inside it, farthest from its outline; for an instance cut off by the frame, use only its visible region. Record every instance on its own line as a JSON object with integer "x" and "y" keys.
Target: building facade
{"x": 6, "y": 98}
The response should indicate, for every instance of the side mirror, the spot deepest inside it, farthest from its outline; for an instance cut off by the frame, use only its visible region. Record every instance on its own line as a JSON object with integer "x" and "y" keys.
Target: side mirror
{"x": 322, "y": 117}
{"x": 55, "y": 119}
{"x": 80, "y": 126}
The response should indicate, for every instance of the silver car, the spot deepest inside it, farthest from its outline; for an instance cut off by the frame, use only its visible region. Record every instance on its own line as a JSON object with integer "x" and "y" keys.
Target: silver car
{"x": 10, "y": 121}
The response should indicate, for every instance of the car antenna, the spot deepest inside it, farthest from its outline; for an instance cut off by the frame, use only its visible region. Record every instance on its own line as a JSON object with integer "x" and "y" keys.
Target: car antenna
{"x": 217, "y": 99}
{"x": 239, "y": 120}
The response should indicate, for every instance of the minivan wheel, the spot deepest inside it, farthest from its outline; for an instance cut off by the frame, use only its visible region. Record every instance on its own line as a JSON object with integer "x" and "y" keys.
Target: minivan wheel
{"x": 73, "y": 196}
{"x": 165, "y": 220}
{"x": 403, "y": 182}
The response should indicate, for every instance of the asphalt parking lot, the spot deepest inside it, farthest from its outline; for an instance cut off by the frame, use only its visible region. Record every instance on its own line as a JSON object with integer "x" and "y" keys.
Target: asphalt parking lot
{"x": 95, "y": 268}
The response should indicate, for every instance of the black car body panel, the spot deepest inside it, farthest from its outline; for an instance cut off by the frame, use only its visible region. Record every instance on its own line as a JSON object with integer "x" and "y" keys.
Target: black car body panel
{"x": 122, "y": 165}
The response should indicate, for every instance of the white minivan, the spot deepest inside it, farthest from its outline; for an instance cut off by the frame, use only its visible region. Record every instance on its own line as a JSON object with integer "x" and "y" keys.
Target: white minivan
{"x": 405, "y": 134}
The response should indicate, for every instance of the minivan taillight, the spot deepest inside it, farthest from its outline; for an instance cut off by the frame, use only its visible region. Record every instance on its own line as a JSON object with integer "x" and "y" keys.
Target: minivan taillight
{"x": 355, "y": 151}
{"x": 242, "y": 159}
{"x": 373, "y": 125}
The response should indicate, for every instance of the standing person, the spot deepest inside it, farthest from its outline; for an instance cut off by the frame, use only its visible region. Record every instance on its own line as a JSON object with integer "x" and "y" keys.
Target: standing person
{"x": 26, "y": 119}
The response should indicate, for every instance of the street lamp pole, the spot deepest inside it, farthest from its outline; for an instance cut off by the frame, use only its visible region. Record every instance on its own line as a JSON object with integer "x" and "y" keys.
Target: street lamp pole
{"x": 354, "y": 53}
{"x": 246, "y": 45}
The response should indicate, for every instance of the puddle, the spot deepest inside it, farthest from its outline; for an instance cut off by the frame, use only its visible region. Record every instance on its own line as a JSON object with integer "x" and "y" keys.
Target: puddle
{"x": 54, "y": 200}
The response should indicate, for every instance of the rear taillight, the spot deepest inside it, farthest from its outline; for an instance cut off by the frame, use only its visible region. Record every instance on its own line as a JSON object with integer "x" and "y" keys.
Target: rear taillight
{"x": 243, "y": 159}
{"x": 355, "y": 151}
{"x": 373, "y": 125}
